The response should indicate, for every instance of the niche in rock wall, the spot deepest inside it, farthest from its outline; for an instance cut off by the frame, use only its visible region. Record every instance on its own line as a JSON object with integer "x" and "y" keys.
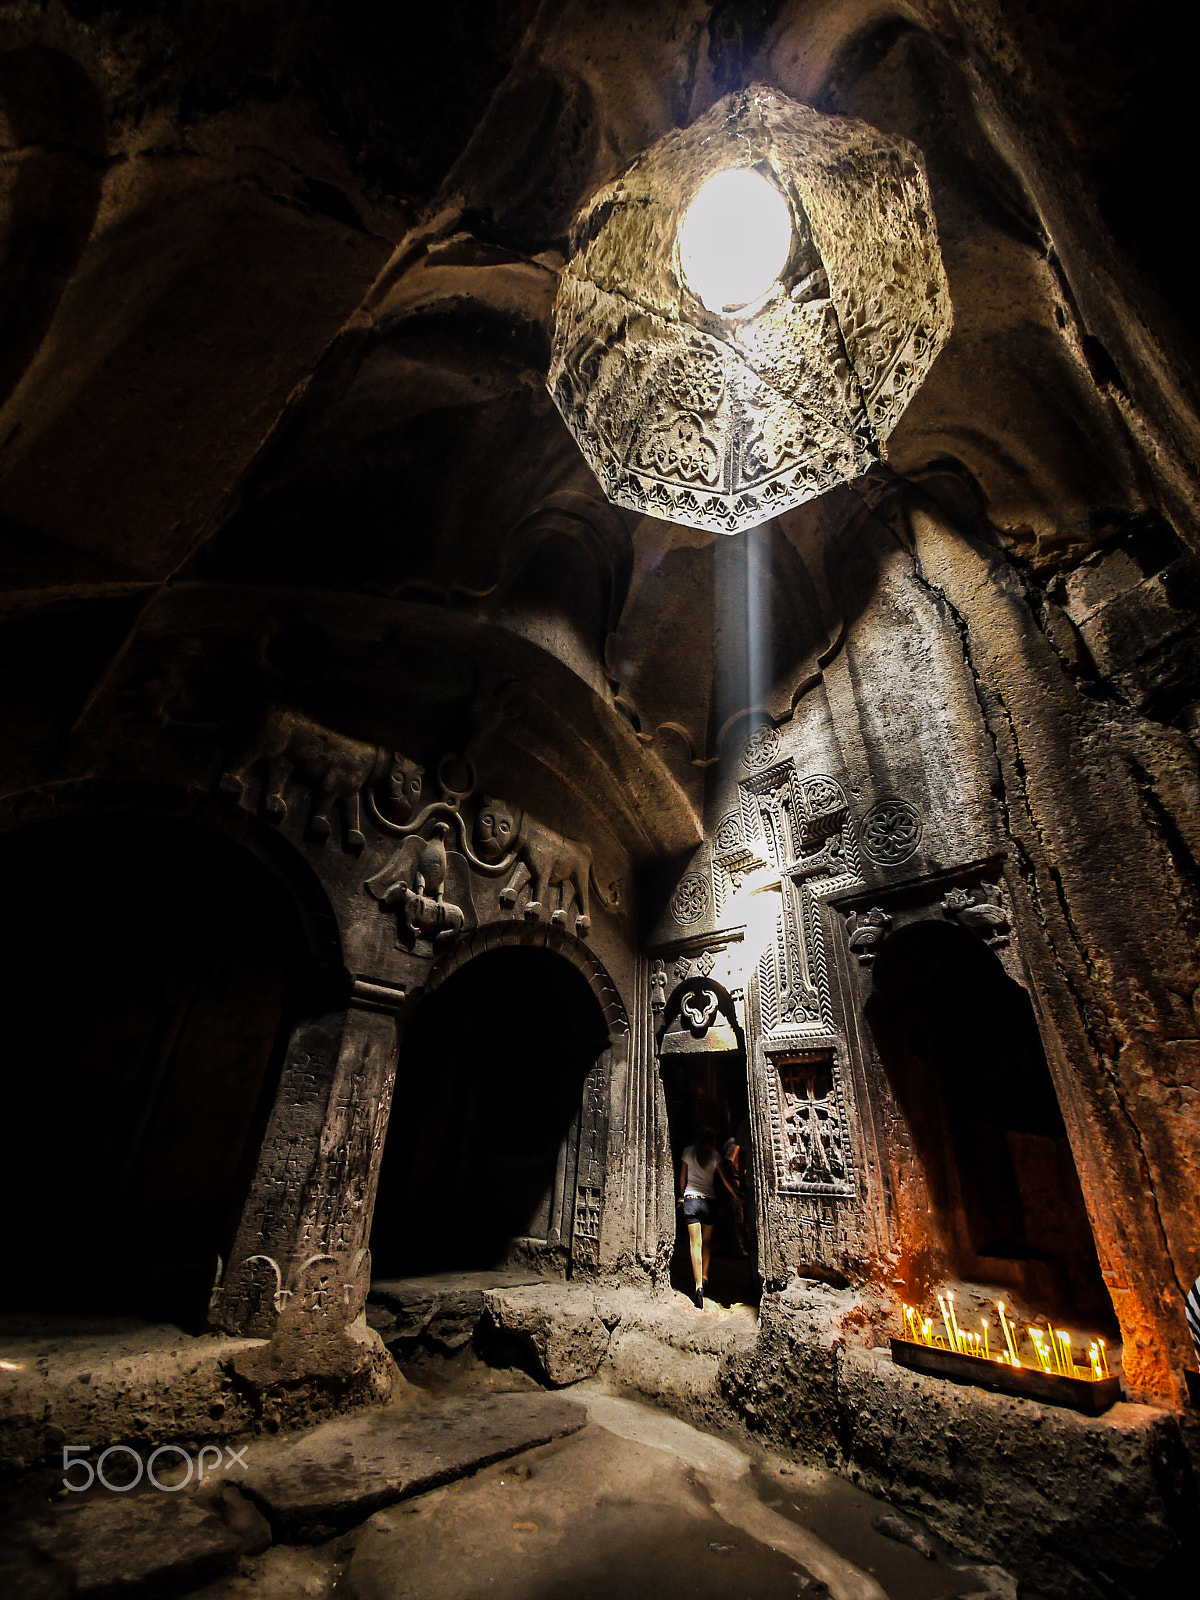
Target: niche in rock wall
{"x": 960, "y": 1046}
{"x": 483, "y": 1141}
{"x": 152, "y": 976}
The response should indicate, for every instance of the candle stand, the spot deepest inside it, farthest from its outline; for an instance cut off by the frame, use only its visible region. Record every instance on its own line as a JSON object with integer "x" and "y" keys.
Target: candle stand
{"x": 1049, "y": 1373}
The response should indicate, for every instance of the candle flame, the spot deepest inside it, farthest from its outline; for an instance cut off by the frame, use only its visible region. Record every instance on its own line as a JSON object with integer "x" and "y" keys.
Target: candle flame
{"x": 1053, "y": 1348}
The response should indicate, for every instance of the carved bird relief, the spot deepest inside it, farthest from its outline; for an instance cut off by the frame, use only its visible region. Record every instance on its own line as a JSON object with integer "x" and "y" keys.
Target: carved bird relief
{"x": 868, "y": 933}
{"x": 979, "y": 915}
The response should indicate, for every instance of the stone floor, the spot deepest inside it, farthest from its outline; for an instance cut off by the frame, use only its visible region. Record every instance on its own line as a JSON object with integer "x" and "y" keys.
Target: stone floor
{"x": 487, "y": 1486}
{"x": 552, "y": 1439}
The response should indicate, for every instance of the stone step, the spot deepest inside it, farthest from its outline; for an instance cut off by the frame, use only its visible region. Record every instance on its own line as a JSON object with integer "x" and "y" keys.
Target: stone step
{"x": 336, "y": 1475}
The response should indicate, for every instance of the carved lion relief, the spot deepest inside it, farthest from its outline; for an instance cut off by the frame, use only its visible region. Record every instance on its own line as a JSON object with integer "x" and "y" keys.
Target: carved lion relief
{"x": 336, "y": 768}
{"x": 428, "y": 882}
{"x": 551, "y": 865}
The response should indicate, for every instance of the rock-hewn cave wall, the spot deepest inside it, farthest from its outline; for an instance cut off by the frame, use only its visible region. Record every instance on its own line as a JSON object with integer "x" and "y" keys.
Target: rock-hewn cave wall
{"x": 274, "y": 434}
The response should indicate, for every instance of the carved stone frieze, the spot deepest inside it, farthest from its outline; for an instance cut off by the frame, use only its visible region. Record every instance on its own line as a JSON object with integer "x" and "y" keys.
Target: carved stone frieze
{"x": 428, "y": 881}
{"x": 698, "y": 1007}
{"x": 414, "y": 884}
{"x": 867, "y": 933}
{"x": 728, "y": 836}
{"x": 658, "y": 986}
{"x": 762, "y": 747}
{"x": 534, "y": 856}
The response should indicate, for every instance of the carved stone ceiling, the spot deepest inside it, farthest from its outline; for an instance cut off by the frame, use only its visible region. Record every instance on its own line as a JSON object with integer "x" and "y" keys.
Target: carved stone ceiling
{"x": 276, "y": 308}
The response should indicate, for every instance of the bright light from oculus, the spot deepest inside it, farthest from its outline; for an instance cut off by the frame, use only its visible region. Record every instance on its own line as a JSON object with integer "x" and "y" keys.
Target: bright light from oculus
{"x": 735, "y": 239}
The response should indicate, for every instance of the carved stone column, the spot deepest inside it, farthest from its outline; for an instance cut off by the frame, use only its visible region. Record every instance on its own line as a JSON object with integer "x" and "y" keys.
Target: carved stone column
{"x": 301, "y": 1243}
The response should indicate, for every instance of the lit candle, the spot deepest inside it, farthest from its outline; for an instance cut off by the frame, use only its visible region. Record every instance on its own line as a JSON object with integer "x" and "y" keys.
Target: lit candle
{"x": 1104, "y": 1357}
{"x": 987, "y": 1353}
{"x": 1008, "y": 1338}
{"x": 1045, "y": 1356}
{"x": 946, "y": 1322}
{"x": 958, "y": 1338}
{"x": 928, "y": 1330}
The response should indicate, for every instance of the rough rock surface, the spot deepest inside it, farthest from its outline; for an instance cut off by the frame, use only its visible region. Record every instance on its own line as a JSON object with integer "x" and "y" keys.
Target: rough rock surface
{"x": 342, "y": 1471}
{"x": 105, "y": 1381}
{"x": 560, "y": 1327}
{"x": 657, "y": 1345}
{"x": 147, "y": 1544}
{"x": 1074, "y": 1506}
{"x": 442, "y": 1312}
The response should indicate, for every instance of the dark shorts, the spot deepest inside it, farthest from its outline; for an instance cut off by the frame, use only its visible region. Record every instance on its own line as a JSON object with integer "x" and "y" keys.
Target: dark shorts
{"x": 697, "y": 1209}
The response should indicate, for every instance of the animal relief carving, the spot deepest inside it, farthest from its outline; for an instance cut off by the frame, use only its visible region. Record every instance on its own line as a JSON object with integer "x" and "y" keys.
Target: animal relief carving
{"x": 335, "y": 767}
{"x": 867, "y": 933}
{"x": 414, "y": 883}
{"x": 978, "y": 914}
{"x": 541, "y": 858}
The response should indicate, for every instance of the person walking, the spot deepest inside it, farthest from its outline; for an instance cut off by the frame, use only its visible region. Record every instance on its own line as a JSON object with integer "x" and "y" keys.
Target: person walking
{"x": 699, "y": 1168}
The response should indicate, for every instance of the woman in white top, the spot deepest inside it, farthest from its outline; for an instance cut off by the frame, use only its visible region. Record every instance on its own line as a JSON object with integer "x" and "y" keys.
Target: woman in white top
{"x": 699, "y": 1168}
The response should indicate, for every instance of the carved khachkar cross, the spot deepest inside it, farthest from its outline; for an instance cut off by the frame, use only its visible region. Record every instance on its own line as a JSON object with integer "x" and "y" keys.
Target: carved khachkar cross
{"x": 812, "y": 1128}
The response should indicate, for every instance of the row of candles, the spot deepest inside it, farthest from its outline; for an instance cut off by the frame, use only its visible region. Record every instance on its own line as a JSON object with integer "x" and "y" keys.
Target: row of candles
{"x": 1053, "y": 1350}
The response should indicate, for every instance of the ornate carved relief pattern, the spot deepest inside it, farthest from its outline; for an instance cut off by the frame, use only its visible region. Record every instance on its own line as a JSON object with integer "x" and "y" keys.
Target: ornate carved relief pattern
{"x": 891, "y": 831}
{"x": 761, "y": 747}
{"x": 803, "y": 822}
{"x": 593, "y": 1145}
{"x": 808, "y": 1120}
{"x": 689, "y": 903}
{"x": 977, "y": 911}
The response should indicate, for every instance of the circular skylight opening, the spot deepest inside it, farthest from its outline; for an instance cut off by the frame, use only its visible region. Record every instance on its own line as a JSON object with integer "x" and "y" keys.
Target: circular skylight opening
{"x": 735, "y": 239}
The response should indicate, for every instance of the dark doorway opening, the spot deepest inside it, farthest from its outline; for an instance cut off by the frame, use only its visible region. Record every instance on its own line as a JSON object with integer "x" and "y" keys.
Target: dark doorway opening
{"x": 483, "y": 1139}
{"x": 961, "y": 1048}
{"x": 708, "y": 1089}
{"x": 152, "y": 977}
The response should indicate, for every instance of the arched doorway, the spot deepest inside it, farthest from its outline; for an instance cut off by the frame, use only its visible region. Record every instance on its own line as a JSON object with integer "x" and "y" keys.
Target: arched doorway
{"x": 961, "y": 1048}
{"x": 155, "y": 969}
{"x": 482, "y": 1146}
{"x": 702, "y": 1064}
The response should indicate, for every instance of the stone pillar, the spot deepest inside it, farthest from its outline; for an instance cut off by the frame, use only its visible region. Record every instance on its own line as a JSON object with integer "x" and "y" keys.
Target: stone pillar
{"x": 642, "y": 1211}
{"x": 300, "y": 1251}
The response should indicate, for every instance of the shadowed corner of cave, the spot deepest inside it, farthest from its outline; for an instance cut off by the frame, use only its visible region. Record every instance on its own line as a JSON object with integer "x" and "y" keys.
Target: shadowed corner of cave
{"x": 961, "y": 1048}
{"x": 153, "y": 974}
{"x": 489, "y": 1082}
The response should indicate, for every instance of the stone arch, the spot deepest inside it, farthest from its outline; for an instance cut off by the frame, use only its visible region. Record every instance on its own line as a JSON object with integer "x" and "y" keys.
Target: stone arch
{"x": 506, "y": 1063}
{"x": 537, "y": 935}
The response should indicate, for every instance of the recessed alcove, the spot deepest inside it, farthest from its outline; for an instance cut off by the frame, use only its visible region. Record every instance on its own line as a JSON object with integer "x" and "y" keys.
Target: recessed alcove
{"x": 482, "y": 1142}
{"x": 963, "y": 1056}
{"x": 153, "y": 973}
